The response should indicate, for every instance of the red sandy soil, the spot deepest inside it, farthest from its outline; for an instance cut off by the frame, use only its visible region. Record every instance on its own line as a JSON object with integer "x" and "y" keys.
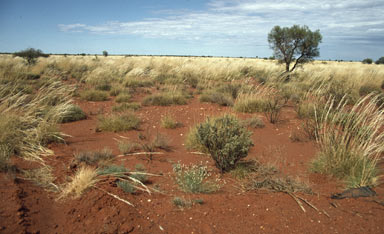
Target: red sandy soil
{"x": 27, "y": 208}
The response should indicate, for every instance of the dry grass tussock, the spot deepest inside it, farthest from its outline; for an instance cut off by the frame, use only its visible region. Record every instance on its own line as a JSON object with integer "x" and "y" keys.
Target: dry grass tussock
{"x": 84, "y": 178}
{"x": 351, "y": 141}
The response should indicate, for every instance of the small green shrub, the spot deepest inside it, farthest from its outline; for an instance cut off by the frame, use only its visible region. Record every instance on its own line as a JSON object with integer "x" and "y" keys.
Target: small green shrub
{"x": 226, "y": 139}
{"x": 75, "y": 113}
{"x": 134, "y": 106}
{"x": 164, "y": 99}
{"x": 119, "y": 123}
{"x": 94, "y": 95}
{"x": 123, "y": 97}
{"x": 194, "y": 178}
{"x": 113, "y": 169}
{"x": 126, "y": 186}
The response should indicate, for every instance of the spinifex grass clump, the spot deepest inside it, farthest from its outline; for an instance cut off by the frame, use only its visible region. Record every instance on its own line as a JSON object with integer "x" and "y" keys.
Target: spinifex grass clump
{"x": 351, "y": 141}
{"x": 226, "y": 139}
{"x": 28, "y": 121}
{"x": 119, "y": 123}
{"x": 165, "y": 99}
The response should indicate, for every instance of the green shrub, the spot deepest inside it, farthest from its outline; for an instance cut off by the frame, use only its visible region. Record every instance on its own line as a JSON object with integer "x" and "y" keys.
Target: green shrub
{"x": 119, "y": 123}
{"x": 367, "y": 61}
{"x": 226, "y": 140}
{"x": 216, "y": 97}
{"x": 194, "y": 178}
{"x": 126, "y": 186}
{"x": 134, "y": 106}
{"x": 165, "y": 99}
{"x": 94, "y": 95}
{"x": 75, "y": 113}
{"x": 369, "y": 88}
{"x": 123, "y": 97}
{"x": 30, "y": 55}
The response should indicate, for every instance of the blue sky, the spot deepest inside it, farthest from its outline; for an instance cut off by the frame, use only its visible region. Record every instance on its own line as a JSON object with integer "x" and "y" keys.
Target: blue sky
{"x": 351, "y": 29}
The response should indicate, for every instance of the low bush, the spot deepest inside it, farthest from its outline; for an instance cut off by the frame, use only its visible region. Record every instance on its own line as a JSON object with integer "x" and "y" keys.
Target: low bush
{"x": 119, "y": 123}
{"x": 194, "y": 178}
{"x": 74, "y": 113}
{"x": 94, "y": 95}
{"x": 226, "y": 139}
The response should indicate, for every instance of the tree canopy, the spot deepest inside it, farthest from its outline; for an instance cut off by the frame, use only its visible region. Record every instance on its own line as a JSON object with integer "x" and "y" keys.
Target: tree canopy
{"x": 296, "y": 44}
{"x": 30, "y": 55}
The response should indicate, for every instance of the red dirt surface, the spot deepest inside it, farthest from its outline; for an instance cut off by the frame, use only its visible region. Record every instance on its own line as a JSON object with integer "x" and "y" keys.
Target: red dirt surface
{"x": 27, "y": 208}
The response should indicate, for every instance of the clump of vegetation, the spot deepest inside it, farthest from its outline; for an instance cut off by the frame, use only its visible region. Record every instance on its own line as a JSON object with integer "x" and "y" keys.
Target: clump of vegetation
{"x": 84, "y": 178}
{"x": 220, "y": 98}
{"x": 194, "y": 178}
{"x": 272, "y": 108}
{"x": 192, "y": 142}
{"x": 30, "y": 55}
{"x": 168, "y": 122}
{"x": 41, "y": 176}
{"x": 367, "y": 61}
{"x": 254, "y": 122}
{"x": 123, "y": 97}
{"x": 351, "y": 141}
{"x": 94, "y": 157}
{"x": 134, "y": 106}
{"x": 74, "y": 113}
{"x": 126, "y": 147}
{"x": 94, "y": 95}
{"x": 119, "y": 123}
{"x": 226, "y": 139}
{"x": 250, "y": 103}
{"x": 183, "y": 203}
{"x": 164, "y": 99}
{"x": 369, "y": 88}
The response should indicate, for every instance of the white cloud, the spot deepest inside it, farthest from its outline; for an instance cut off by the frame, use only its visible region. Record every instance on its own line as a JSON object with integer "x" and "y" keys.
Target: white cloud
{"x": 248, "y": 22}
